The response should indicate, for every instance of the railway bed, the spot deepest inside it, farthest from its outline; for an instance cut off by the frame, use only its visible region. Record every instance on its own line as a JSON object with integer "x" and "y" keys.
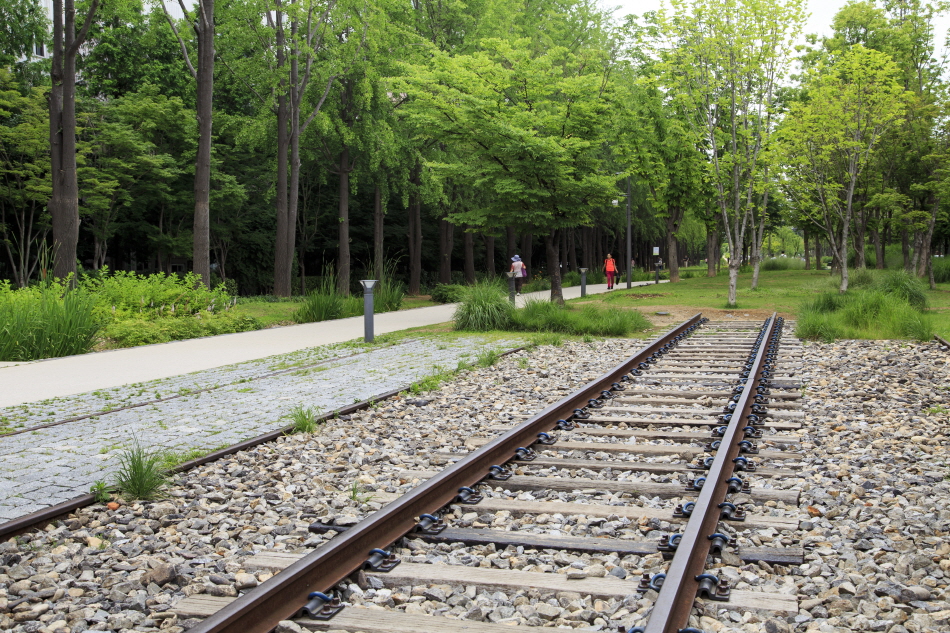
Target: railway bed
{"x": 566, "y": 554}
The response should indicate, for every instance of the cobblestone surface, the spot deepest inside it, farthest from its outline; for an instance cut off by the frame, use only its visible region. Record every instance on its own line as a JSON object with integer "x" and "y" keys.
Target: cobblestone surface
{"x": 48, "y": 466}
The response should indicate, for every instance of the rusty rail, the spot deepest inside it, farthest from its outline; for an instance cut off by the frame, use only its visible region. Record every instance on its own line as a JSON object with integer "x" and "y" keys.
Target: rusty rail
{"x": 259, "y": 610}
{"x": 674, "y": 603}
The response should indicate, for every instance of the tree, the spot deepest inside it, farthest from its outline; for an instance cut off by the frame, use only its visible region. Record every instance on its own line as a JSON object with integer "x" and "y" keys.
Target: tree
{"x": 203, "y": 26}
{"x": 24, "y": 176}
{"x": 23, "y": 27}
{"x": 829, "y": 139}
{"x": 723, "y": 61}
{"x": 532, "y": 123}
{"x": 64, "y": 203}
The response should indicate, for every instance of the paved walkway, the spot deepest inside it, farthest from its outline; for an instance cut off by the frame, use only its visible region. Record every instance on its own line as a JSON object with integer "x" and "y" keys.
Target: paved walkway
{"x": 226, "y": 389}
{"x": 32, "y": 382}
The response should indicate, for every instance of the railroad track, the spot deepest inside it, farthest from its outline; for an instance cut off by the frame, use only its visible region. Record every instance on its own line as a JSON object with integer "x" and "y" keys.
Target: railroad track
{"x": 673, "y": 460}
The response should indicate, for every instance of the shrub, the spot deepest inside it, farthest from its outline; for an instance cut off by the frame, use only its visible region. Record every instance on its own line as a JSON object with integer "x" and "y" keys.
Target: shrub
{"x": 904, "y": 285}
{"x": 782, "y": 263}
{"x": 484, "y": 307}
{"x": 941, "y": 266}
{"x": 544, "y": 316}
{"x": 122, "y": 294}
{"x": 448, "y": 293}
{"x": 862, "y": 314}
{"x": 142, "y": 331}
{"x": 46, "y": 322}
{"x": 571, "y": 278}
{"x": 142, "y": 472}
{"x": 537, "y": 284}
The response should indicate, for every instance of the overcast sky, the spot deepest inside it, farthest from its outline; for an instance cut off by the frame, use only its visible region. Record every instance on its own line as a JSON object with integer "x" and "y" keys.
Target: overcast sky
{"x": 822, "y": 11}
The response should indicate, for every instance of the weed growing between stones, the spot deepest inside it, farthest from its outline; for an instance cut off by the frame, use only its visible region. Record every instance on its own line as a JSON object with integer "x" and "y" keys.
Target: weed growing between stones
{"x": 142, "y": 473}
{"x": 101, "y": 491}
{"x": 488, "y": 357}
{"x": 304, "y": 419}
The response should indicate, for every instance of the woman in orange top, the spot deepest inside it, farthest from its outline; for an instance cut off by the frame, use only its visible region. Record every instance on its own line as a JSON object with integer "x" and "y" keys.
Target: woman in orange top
{"x": 610, "y": 267}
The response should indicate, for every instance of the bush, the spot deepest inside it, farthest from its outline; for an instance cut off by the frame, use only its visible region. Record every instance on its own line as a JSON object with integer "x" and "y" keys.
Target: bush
{"x": 388, "y": 295}
{"x": 122, "y": 294}
{"x": 571, "y": 278}
{"x": 544, "y": 316}
{"x": 782, "y": 263}
{"x": 862, "y": 314}
{"x": 448, "y": 293}
{"x": 140, "y": 331}
{"x": 537, "y": 284}
{"x": 904, "y": 285}
{"x": 484, "y": 307}
{"x": 46, "y": 322}
{"x": 941, "y": 266}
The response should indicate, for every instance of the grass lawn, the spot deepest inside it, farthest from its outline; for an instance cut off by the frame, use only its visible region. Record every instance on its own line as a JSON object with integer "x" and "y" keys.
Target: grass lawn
{"x": 779, "y": 291}
{"x": 269, "y": 313}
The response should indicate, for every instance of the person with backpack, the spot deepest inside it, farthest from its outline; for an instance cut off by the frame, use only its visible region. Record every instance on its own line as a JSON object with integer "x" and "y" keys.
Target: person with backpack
{"x": 518, "y": 267}
{"x": 610, "y": 268}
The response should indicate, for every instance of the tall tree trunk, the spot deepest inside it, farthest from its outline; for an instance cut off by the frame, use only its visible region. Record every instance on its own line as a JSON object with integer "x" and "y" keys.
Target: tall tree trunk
{"x": 905, "y": 249}
{"x": 201, "y": 243}
{"x": 468, "y": 239}
{"x": 489, "y": 254}
{"x": 64, "y": 202}
{"x": 807, "y": 254}
{"x": 378, "y": 262}
{"x": 563, "y": 252}
{"x": 446, "y": 244}
{"x": 293, "y": 193}
{"x": 673, "y": 219}
{"x": 343, "y": 252}
{"x": 712, "y": 250}
{"x": 551, "y": 242}
{"x": 860, "y": 228}
{"x": 527, "y": 242}
{"x": 282, "y": 251}
{"x": 511, "y": 247}
{"x": 572, "y": 249}
{"x": 878, "y": 248}
{"x": 817, "y": 252}
{"x": 415, "y": 231}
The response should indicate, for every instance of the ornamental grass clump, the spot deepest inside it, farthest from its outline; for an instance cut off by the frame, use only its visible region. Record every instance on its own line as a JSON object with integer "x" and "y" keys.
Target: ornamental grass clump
{"x": 543, "y": 316}
{"x": 143, "y": 473}
{"x": 46, "y": 321}
{"x": 484, "y": 307}
{"x": 873, "y": 313}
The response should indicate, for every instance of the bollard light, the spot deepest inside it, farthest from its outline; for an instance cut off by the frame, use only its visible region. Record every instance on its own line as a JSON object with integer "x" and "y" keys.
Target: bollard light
{"x": 511, "y": 286}
{"x": 583, "y": 281}
{"x": 368, "y": 285}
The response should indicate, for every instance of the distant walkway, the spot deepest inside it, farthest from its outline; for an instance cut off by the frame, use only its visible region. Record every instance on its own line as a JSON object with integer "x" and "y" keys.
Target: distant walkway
{"x": 32, "y": 382}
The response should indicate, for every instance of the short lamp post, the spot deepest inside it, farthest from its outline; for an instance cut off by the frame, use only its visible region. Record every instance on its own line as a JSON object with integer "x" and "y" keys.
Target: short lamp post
{"x": 368, "y": 285}
{"x": 511, "y": 286}
{"x": 659, "y": 267}
{"x": 583, "y": 282}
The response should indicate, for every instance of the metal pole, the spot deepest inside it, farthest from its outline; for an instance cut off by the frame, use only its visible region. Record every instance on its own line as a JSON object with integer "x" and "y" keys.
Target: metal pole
{"x": 583, "y": 282}
{"x": 629, "y": 237}
{"x": 368, "y": 309}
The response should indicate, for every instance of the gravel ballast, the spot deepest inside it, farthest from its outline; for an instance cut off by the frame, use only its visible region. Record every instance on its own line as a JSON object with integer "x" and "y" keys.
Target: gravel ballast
{"x": 873, "y": 511}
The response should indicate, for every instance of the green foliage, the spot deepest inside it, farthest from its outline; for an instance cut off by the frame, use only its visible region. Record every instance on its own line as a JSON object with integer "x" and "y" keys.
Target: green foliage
{"x": 537, "y": 284}
{"x": 874, "y": 313}
{"x": 141, "y": 331}
{"x": 545, "y": 316}
{"x": 484, "y": 307}
{"x": 941, "y": 266}
{"x": 487, "y": 357}
{"x": 326, "y": 303}
{"x": 123, "y": 294}
{"x": 571, "y": 278}
{"x": 46, "y": 321}
{"x": 782, "y": 263}
{"x": 904, "y": 285}
{"x": 304, "y": 419}
{"x": 448, "y": 293}
{"x": 101, "y": 491}
{"x": 142, "y": 472}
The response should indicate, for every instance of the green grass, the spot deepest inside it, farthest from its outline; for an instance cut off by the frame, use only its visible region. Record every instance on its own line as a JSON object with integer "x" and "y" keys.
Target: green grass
{"x": 304, "y": 419}
{"x": 268, "y": 313}
{"x": 142, "y": 474}
{"x": 46, "y": 322}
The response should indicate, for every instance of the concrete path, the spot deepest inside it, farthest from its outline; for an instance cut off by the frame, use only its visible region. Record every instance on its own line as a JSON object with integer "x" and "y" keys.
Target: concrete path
{"x": 53, "y": 378}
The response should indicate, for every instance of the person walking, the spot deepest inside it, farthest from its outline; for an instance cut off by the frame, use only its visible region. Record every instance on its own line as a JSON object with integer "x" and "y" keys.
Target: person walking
{"x": 520, "y": 270}
{"x": 610, "y": 268}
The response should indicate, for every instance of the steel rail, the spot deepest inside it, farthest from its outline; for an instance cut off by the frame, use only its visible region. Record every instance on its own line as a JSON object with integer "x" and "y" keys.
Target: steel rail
{"x": 281, "y": 597}
{"x": 674, "y": 603}
{"x": 941, "y": 341}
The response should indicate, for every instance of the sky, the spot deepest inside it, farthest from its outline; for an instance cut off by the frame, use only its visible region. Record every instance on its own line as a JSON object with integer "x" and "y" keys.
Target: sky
{"x": 822, "y": 12}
